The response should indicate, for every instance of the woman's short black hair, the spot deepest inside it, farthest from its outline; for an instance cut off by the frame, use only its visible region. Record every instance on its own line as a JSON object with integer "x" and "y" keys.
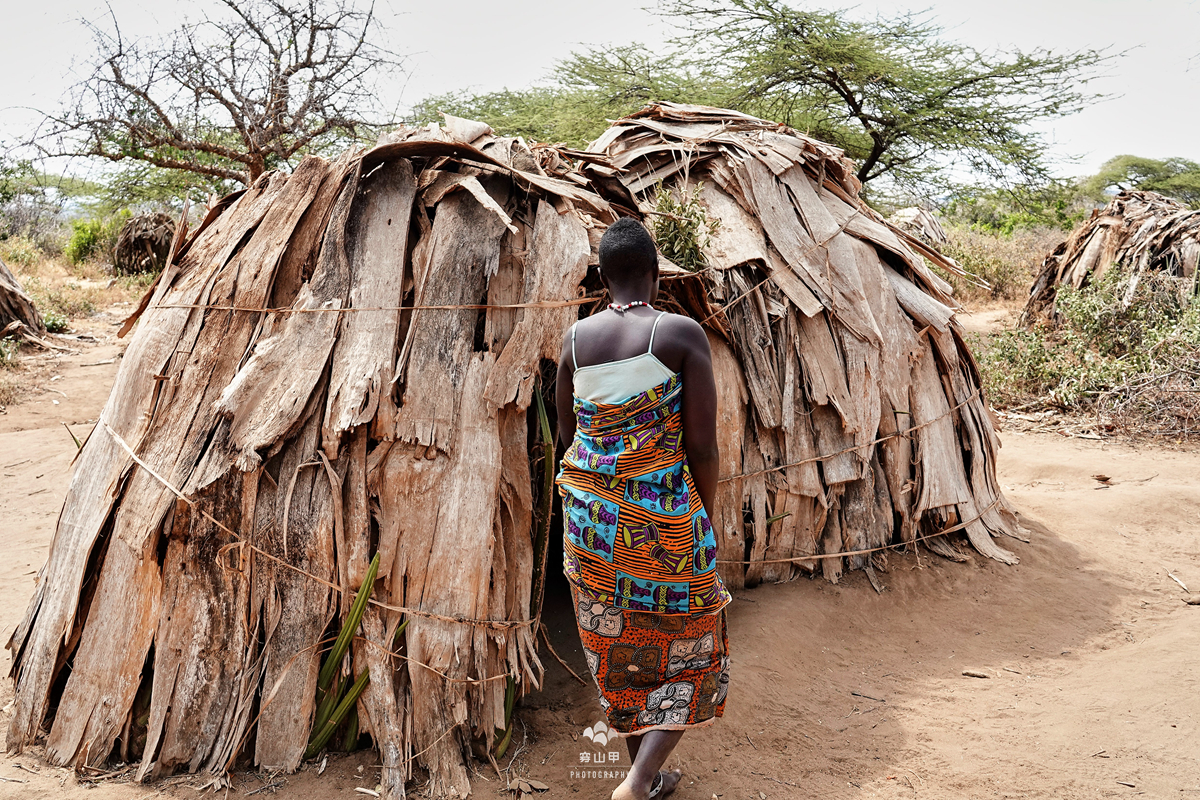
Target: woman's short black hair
{"x": 626, "y": 251}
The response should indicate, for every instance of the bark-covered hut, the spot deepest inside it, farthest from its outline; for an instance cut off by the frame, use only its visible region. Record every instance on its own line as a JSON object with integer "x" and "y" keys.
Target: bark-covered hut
{"x": 144, "y": 243}
{"x": 1138, "y": 233}
{"x": 345, "y": 362}
{"x": 18, "y": 315}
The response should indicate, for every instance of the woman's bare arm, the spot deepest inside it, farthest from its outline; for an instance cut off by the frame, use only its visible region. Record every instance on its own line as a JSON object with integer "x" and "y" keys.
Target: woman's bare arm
{"x": 699, "y": 411}
{"x": 564, "y": 394}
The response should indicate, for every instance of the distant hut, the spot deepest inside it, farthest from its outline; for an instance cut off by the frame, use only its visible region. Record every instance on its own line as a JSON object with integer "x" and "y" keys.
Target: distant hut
{"x": 144, "y": 243}
{"x": 1138, "y": 233}
{"x": 349, "y": 362}
{"x": 921, "y": 223}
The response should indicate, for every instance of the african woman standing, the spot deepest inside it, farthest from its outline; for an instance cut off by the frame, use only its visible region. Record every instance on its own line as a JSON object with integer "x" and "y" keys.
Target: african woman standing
{"x": 637, "y": 409}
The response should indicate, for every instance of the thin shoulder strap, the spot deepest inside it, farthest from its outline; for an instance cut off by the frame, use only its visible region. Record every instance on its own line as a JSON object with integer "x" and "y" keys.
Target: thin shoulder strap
{"x": 657, "y": 320}
{"x": 574, "y": 360}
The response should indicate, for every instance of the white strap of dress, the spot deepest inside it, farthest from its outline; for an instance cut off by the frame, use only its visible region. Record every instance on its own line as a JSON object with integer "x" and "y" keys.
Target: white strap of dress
{"x": 657, "y": 320}
{"x": 574, "y": 360}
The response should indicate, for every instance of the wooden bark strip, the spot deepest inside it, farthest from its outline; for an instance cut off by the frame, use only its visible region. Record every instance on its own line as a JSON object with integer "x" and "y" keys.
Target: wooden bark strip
{"x": 898, "y": 343}
{"x": 303, "y": 536}
{"x": 799, "y": 445}
{"x": 824, "y": 371}
{"x": 194, "y": 683}
{"x": 102, "y": 465}
{"x": 862, "y": 379}
{"x": 385, "y": 700}
{"x": 756, "y": 498}
{"x": 895, "y": 455}
{"x": 790, "y": 285}
{"x": 265, "y": 399}
{"x": 848, "y": 300}
{"x": 831, "y": 537}
{"x": 941, "y": 479}
{"x": 364, "y": 356}
{"x": 108, "y": 664}
{"x": 516, "y": 513}
{"x": 739, "y": 239}
{"x": 920, "y": 306}
{"x": 16, "y": 305}
{"x": 505, "y": 288}
{"x": 778, "y": 217}
{"x": 301, "y": 260}
{"x": 555, "y": 267}
{"x": 756, "y": 350}
{"x": 858, "y": 517}
{"x": 455, "y": 566}
{"x": 728, "y": 525}
{"x": 440, "y": 342}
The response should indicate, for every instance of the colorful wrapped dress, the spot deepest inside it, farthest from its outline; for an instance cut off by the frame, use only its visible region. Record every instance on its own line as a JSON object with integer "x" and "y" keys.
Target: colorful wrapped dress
{"x": 640, "y": 555}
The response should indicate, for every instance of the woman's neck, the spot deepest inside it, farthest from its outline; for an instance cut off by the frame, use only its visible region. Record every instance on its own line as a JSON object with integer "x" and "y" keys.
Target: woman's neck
{"x": 625, "y": 294}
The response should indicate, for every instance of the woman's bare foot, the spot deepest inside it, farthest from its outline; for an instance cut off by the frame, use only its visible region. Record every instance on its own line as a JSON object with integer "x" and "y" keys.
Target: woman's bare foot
{"x": 629, "y": 791}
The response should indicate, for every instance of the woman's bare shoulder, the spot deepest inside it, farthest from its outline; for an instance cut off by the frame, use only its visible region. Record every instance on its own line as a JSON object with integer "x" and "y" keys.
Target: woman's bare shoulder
{"x": 682, "y": 333}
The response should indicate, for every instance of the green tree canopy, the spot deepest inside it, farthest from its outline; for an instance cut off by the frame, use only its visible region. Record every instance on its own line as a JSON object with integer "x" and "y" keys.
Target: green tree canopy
{"x": 912, "y": 107}
{"x": 908, "y": 104}
{"x": 585, "y": 92}
{"x": 1174, "y": 177}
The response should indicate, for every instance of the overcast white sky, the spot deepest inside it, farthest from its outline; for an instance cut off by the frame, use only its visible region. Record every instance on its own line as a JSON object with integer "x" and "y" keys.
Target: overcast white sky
{"x": 455, "y": 44}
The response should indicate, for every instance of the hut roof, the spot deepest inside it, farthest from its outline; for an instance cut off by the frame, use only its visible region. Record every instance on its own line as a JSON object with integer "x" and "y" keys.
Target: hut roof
{"x": 1136, "y": 232}
{"x": 346, "y": 362}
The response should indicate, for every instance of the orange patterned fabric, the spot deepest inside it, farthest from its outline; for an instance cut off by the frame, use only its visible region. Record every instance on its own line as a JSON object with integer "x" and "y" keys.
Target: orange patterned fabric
{"x": 637, "y": 535}
{"x": 655, "y": 671}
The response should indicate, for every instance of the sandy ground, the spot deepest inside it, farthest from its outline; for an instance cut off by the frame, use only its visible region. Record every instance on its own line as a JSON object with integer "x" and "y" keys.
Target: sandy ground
{"x": 837, "y": 692}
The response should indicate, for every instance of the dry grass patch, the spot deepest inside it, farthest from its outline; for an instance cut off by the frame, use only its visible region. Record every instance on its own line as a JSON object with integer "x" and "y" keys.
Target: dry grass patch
{"x": 63, "y": 291}
{"x": 1007, "y": 262}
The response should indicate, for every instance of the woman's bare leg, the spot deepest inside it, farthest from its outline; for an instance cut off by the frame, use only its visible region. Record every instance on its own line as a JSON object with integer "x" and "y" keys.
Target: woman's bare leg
{"x": 649, "y": 752}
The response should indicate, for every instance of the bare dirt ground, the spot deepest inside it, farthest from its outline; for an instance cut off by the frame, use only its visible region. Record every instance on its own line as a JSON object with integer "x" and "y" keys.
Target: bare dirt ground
{"x": 836, "y": 691}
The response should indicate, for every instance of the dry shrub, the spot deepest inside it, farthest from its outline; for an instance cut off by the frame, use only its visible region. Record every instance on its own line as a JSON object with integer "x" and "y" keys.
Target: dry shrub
{"x": 1008, "y": 262}
{"x": 10, "y": 390}
{"x": 63, "y": 291}
{"x": 1133, "y": 363}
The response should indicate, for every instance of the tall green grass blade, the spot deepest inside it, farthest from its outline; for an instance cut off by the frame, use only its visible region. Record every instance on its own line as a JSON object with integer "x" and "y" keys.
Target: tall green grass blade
{"x": 399, "y": 632}
{"x": 350, "y": 742}
{"x": 343, "y": 708}
{"x": 329, "y": 685}
{"x": 328, "y": 704}
{"x": 349, "y": 628}
{"x": 510, "y": 701}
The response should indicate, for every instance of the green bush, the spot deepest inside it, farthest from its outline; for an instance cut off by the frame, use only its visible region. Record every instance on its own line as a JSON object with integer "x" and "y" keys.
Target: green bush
{"x": 1130, "y": 350}
{"x": 94, "y": 238}
{"x": 681, "y": 227}
{"x": 55, "y": 321}
{"x": 1059, "y": 204}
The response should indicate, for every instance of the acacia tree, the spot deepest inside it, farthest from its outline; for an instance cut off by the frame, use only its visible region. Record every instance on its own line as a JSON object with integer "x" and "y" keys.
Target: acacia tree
{"x": 1174, "y": 177}
{"x": 584, "y": 92}
{"x": 907, "y": 104}
{"x": 254, "y": 84}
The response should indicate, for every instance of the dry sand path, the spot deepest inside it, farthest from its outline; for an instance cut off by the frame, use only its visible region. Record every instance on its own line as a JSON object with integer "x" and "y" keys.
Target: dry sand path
{"x": 837, "y": 692}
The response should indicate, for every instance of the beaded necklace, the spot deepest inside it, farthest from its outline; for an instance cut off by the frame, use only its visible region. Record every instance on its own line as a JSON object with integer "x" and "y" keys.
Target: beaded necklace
{"x": 621, "y": 308}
